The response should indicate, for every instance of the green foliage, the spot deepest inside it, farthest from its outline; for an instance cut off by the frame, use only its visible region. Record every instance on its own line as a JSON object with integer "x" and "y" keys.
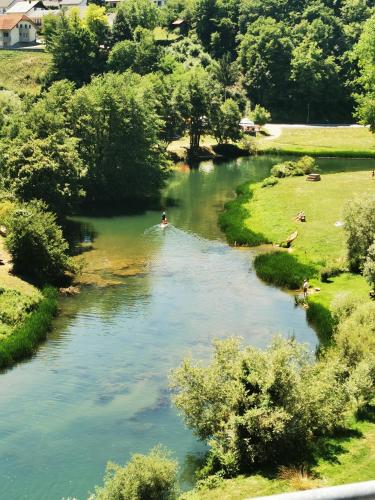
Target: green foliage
{"x": 365, "y": 52}
{"x": 45, "y": 169}
{"x": 145, "y": 477}
{"x": 303, "y": 166}
{"x": 360, "y": 229}
{"x": 369, "y": 266}
{"x": 114, "y": 120}
{"x": 329, "y": 272}
{"x": 14, "y": 306}
{"x": 269, "y": 181}
{"x": 256, "y": 406}
{"x": 25, "y": 338}
{"x": 224, "y": 121}
{"x": 283, "y": 269}
{"x": 36, "y": 243}
{"x": 260, "y": 115}
{"x": 75, "y": 50}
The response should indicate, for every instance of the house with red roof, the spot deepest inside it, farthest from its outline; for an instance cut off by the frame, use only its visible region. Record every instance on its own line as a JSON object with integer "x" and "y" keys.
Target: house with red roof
{"x": 16, "y": 29}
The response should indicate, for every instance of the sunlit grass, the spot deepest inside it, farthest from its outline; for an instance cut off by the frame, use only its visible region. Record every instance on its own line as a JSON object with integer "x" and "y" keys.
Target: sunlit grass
{"x": 324, "y": 141}
{"x": 22, "y": 71}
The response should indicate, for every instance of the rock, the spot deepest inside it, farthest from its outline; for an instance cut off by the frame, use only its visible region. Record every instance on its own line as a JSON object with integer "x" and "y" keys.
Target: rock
{"x": 69, "y": 291}
{"x": 317, "y": 289}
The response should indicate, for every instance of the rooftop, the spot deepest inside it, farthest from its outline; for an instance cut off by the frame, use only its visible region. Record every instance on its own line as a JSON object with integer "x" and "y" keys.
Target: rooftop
{"x": 9, "y": 21}
{"x": 24, "y": 7}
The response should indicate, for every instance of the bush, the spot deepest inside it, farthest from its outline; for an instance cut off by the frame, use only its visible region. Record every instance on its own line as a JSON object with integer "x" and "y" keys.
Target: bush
{"x": 259, "y": 407}
{"x": 14, "y": 306}
{"x": 269, "y": 181}
{"x": 329, "y": 272}
{"x": 303, "y": 166}
{"x": 369, "y": 266}
{"x": 260, "y": 115}
{"x": 343, "y": 306}
{"x": 360, "y": 228}
{"x": 36, "y": 243}
{"x": 282, "y": 269}
{"x": 145, "y": 477}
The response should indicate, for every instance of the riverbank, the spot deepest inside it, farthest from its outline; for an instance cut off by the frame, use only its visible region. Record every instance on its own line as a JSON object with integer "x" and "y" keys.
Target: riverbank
{"x": 267, "y": 215}
{"x": 342, "y": 460}
{"x": 26, "y": 314}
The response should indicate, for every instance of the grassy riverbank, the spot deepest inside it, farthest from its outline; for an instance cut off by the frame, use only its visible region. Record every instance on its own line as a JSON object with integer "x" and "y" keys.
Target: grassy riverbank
{"x": 352, "y": 142}
{"x": 22, "y": 71}
{"x": 345, "y": 459}
{"x": 266, "y": 215}
{"x": 26, "y": 314}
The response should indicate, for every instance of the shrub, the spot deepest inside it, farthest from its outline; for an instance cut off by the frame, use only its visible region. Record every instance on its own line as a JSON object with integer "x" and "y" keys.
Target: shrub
{"x": 269, "y": 181}
{"x": 260, "y": 115}
{"x": 329, "y": 272}
{"x": 303, "y": 166}
{"x": 297, "y": 477}
{"x": 343, "y": 306}
{"x": 360, "y": 228}
{"x": 307, "y": 164}
{"x": 369, "y": 266}
{"x": 255, "y": 406}
{"x": 145, "y": 477}
{"x": 14, "y": 306}
{"x": 23, "y": 340}
{"x": 36, "y": 243}
{"x": 282, "y": 269}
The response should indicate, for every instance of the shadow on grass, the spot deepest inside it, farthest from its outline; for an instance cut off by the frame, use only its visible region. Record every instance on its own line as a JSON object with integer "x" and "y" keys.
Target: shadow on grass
{"x": 231, "y": 220}
{"x": 367, "y": 414}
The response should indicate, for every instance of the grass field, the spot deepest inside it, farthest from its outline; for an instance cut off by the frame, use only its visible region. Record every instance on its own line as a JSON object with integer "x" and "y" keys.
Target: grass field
{"x": 346, "y": 459}
{"x": 21, "y": 72}
{"x": 266, "y": 215}
{"x": 321, "y": 141}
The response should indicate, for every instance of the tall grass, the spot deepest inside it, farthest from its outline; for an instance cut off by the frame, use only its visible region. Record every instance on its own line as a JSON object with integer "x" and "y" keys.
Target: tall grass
{"x": 283, "y": 269}
{"x": 232, "y": 220}
{"x": 321, "y": 318}
{"x": 25, "y": 337}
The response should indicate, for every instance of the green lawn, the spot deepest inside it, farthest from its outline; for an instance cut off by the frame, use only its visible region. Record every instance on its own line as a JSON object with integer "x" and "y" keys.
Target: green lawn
{"x": 346, "y": 459}
{"x": 271, "y": 211}
{"x": 324, "y": 141}
{"x": 21, "y": 72}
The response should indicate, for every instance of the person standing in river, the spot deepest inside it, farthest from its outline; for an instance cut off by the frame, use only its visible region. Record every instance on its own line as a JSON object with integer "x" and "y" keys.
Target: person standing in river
{"x": 305, "y": 288}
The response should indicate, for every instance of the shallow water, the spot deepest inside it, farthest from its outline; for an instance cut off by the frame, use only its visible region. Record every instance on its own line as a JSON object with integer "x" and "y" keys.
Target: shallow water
{"x": 97, "y": 389}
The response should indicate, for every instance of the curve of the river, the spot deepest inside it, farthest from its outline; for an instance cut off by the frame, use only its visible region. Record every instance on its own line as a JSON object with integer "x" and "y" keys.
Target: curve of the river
{"x": 97, "y": 389}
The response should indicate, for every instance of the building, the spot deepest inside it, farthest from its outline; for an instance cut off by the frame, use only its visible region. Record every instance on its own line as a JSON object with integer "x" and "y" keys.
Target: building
{"x": 26, "y": 8}
{"x": 16, "y": 28}
{"x": 5, "y": 5}
{"x": 115, "y": 3}
{"x": 64, "y": 4}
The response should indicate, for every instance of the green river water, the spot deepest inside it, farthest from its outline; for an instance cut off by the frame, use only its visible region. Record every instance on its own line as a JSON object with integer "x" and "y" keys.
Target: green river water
{"x": 97, "y": 389}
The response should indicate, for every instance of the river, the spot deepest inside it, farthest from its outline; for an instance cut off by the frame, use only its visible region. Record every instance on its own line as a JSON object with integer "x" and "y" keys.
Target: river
{"x": 97, "y": 389}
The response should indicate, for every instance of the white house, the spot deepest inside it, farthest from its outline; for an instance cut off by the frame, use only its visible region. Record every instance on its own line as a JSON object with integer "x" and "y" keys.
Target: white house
{"x": 26, "y": 8}
{"x": 16, "y": 28}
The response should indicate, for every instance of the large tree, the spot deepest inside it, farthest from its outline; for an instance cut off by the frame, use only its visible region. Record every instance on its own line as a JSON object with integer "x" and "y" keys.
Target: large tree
{"x": 118, "y": 132}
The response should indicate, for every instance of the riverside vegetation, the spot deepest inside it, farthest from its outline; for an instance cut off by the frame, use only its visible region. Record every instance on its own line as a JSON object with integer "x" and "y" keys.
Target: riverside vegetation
{"x": 112, "y": 99}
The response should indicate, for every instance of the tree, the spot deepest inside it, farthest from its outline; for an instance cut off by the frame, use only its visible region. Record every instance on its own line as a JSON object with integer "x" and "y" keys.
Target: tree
{"x": 140, "y": 14}
{"x": 118, "y": 132}
{"x": 369, "y": 266}
{"x": 360, "y": 229}
{"x": 260, "y": 115}
{"x": 121, "y": 29}
{"x": 255, "y": 406}
{"x": 45, "y": 169}
{"x": 145, "y": 477}
{"x": 73, "y": 48}
{"x": 36, "y": 243}
{"x": 264, "y": 56}
{"x": 314, "y": 74}
{"x": 122, "y": 56}
{"x": 197, "y": 90}
{"x": 224, "y": 121}
{"x": 365, "y": 52}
